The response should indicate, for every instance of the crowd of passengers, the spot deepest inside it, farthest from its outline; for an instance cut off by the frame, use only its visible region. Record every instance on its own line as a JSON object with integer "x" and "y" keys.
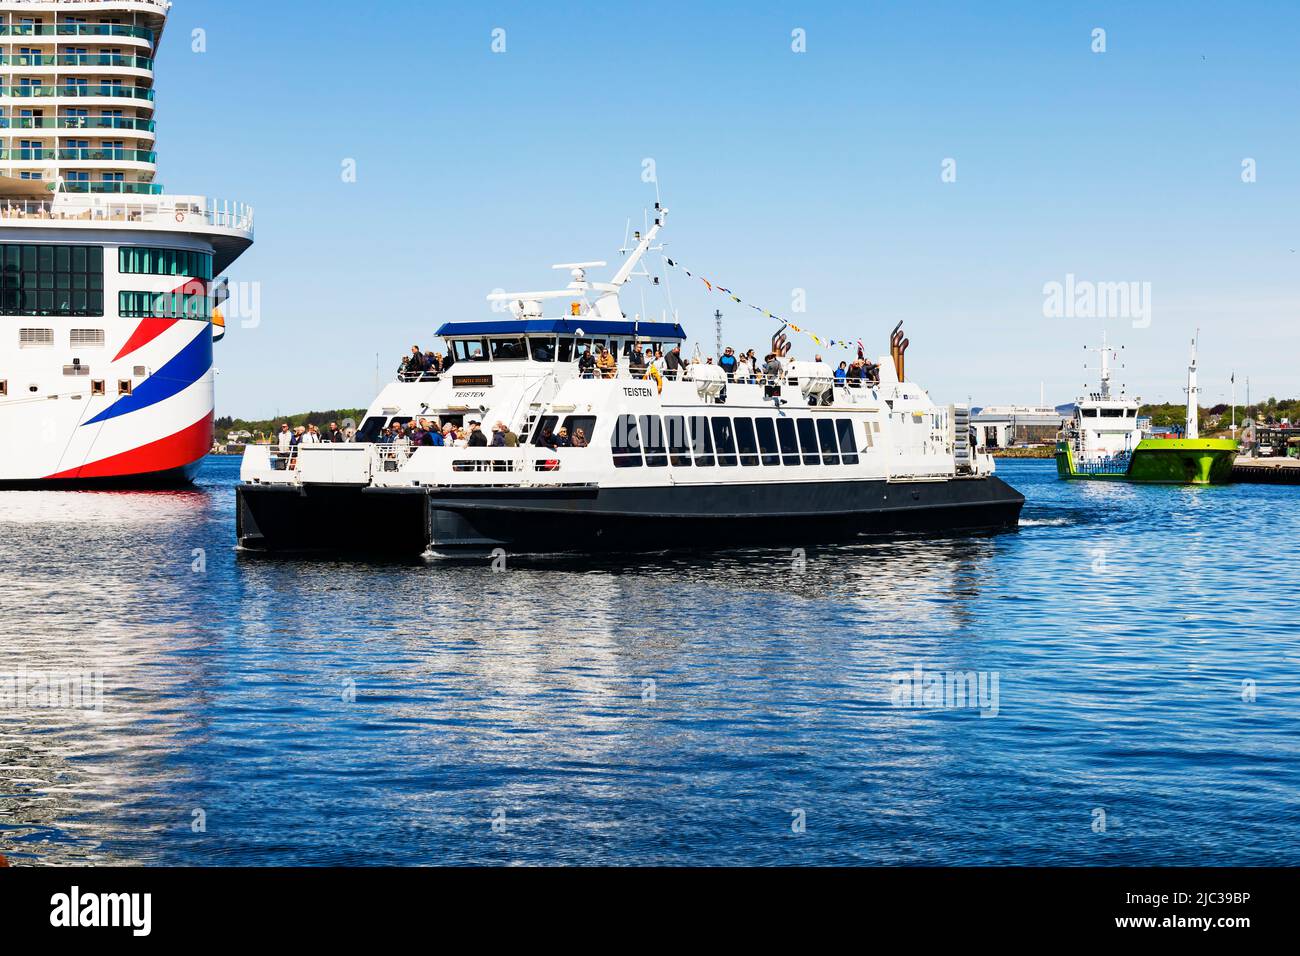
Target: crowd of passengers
{"x": 643, "y": 362}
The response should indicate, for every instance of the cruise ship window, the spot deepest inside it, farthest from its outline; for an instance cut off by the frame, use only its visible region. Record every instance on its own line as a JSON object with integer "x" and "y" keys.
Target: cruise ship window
{"x": 679, "y": 442}
{"x": 701, "y": 441}
{"x": 652, "y": 437}
{"x": 746, "y": 441}
{"x": 848, "y": 444}
{"x": 625, "y": 443}
{"x": 826, "y": 432}
{"x": 767, "y": 440}
{"x": 808, "y": 441}
{"x": 725, "y": 439}
{"x": 789, "y": 443}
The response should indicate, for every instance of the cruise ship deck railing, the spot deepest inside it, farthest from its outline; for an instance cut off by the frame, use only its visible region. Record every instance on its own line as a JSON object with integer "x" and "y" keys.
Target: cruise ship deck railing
{"x": 213, "y": 212}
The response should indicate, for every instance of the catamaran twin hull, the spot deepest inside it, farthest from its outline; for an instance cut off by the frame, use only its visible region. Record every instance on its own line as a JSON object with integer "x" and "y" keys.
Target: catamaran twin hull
{"x": 540, "y": 520}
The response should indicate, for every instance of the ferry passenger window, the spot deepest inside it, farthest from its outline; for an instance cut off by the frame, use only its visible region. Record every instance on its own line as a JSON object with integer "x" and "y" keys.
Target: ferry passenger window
{"x": 369, "y": 430}
{"x": 541, "y": 348}
{"x": 580, "y": 423}
{"x": 473, "y": 350}
{"x": 701, "y": 441}
{"x": 725, "y": 439}
{"x": 1090, "y": 412}
{"x": 848, "y": 444}
{"x": 1112, "y": 413}
{"x": 767, "y": 440}
{"x": 545, "y": 431}
{"x": 625, "y": 443}
{"x": 808, "y": 441}
{"x": 652, "y": 436}
{"x": 679, "y": 450}
{"x": 789, "y": 444}
{"x": 826, "y": 432}
{"x": 507, "y": 350}
{"x": 746, "y": 441}
{"x": 566, "y": 350}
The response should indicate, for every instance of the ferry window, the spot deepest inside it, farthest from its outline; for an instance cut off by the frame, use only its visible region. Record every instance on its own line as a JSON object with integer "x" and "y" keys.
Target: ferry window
{"x": 746, "y": 441}
{"x": 848, "y": 444}
{"x": 1112, "y": 413}
{"x": 725, "y": 439}
{"x": 507, "y": 350}
{"x": 808, "y": 441}
{"x": 1090, "y": 412}
{"x": 789, "y": 444}
{"x": 470, "y": 350}
{"x": 679, "y": 450}
{"x": 566, "y": 350}
{"x": 826, "y": 432}
{"x": 625, "y": 443}
{"x": 767, "y": 440}
{"x": 542, "y": 348}
{"x": 369, "y": 430}
{"x": 593, "y": 344}
{"x": 580, "y": 423}
{"x": 701, "y": 441}
{"x": 652, "y": 434}
{"x": 544, "y": 431}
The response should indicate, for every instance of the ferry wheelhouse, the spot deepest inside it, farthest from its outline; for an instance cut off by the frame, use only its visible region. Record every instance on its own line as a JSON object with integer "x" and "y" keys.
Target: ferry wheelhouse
{"x": 688, "y": 461}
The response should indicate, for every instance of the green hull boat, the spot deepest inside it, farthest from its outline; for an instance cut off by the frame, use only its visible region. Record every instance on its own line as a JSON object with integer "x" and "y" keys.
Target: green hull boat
{"x": 1170, "y": 461}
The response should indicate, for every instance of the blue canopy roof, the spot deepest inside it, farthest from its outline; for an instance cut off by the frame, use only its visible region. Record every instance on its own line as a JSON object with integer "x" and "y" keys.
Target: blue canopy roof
{"x": 590, "y": 327}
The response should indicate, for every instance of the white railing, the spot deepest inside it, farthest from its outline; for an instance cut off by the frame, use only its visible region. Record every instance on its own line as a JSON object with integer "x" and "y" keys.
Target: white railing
{"x": 163, "y": 5}
{"x": 624, "y": 372}
{"x": 174, "y": 212}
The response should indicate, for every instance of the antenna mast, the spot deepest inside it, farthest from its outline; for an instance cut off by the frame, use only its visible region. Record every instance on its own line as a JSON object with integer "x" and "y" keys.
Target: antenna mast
{"x": 1193, "y": 395}
{"x": 717, "y": 321}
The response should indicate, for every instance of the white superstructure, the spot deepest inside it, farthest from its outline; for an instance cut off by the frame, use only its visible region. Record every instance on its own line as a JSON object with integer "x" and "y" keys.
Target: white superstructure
{"x": 108, "y": 284}
{"x": 799, "y": 445}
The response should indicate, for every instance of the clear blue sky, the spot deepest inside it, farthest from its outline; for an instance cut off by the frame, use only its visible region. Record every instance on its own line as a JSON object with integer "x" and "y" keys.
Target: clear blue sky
{"x": 818, "y": 170}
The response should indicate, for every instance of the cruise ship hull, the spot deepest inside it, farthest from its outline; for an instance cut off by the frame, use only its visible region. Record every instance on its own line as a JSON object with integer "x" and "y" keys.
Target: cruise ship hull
{"x": 532, "y": 520}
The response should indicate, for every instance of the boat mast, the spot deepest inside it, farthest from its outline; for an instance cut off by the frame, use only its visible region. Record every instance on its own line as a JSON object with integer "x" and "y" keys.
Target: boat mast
{"x": 1193, "y": 394}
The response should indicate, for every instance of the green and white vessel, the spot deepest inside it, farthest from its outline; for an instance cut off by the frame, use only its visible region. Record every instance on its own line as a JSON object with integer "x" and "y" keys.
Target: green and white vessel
{"x": 1106, "y": 441}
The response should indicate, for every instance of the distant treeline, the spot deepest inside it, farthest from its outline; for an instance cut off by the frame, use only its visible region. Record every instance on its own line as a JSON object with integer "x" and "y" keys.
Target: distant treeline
{"x": 264, "y": 428}
{"x": 1220, "y": 416}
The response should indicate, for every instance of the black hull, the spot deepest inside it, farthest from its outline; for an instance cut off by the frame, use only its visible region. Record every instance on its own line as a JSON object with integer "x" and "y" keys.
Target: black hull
{"x": 477, "y": 521}
{"x": 150, "y": 481}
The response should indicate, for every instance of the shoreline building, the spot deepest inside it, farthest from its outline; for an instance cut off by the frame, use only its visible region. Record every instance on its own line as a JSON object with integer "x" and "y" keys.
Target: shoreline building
{"x": 109, "y": 286}
{"x": 1002, "y": 426}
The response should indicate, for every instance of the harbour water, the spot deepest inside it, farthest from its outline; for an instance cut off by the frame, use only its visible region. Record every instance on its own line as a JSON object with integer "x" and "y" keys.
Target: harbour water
{"x": 1134, "y": 652}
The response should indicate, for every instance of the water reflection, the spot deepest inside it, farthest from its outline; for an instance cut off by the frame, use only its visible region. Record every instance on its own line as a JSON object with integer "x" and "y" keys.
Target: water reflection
{"x": 663, "y": 709}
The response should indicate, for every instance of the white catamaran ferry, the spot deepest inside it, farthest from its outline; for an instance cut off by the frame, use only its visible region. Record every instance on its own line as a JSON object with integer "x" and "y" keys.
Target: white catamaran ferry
{"x": 793, "y": 458}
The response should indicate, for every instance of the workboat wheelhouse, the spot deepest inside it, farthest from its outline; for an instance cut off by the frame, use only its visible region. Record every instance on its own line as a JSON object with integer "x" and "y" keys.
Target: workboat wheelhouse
{"x": 795, "y": 458}
{"x": 1105, "y": 439}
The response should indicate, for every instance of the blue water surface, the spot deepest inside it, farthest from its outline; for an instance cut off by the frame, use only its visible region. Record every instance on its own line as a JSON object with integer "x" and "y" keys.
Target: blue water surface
{"x": 739, "y": 707}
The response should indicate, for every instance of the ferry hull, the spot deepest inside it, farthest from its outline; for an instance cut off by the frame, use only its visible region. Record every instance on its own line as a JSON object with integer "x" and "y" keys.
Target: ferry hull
{"x": 1170, "y": 461}
{"x": 475, "y": 521}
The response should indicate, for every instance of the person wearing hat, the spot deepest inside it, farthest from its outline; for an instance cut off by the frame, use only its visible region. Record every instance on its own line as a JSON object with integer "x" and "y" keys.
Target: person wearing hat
{"x": 476, "y": 437}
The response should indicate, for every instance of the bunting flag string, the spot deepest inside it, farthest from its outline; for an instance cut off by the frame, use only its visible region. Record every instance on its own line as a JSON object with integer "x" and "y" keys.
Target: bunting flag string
{"x": 714, "y": 287}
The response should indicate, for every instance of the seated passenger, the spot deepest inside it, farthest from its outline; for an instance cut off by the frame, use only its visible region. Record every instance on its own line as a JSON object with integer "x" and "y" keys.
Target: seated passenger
{"x": 561, "y": 439}
{"x": 579, "y": 438}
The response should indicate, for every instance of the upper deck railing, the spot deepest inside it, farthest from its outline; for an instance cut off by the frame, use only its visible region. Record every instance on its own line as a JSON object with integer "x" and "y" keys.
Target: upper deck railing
{"x": 625, "y": 372}
{"x": 173, "y": 213}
